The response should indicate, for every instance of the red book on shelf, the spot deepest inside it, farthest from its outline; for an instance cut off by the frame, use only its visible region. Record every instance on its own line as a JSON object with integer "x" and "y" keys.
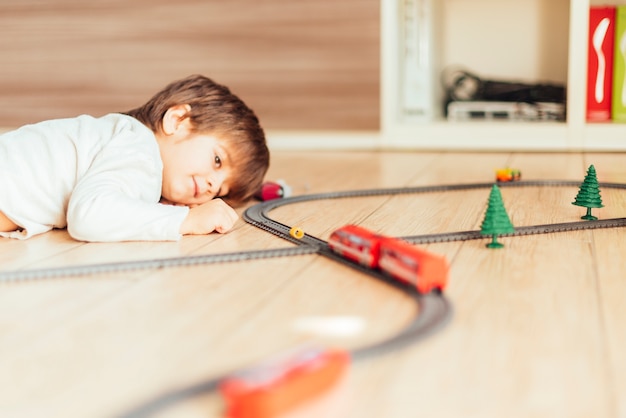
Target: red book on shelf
{"x": 600, "y": 63}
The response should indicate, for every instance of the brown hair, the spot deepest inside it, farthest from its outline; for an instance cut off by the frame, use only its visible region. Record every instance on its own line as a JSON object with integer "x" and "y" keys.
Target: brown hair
{"x": 215, "y": 110}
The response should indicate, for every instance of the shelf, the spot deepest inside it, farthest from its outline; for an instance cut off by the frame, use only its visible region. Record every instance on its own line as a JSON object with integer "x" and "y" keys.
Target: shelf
{"x": 575, "y": 134}
{"x": 605, "y": 137}
{"x": 475, "y": 135}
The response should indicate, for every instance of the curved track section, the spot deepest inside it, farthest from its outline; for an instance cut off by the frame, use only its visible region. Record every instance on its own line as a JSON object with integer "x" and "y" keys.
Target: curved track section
{"x": 433, "y": 310}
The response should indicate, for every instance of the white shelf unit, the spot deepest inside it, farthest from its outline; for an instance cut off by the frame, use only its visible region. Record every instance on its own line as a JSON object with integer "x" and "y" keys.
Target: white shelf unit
{"x": 573, "y": 135}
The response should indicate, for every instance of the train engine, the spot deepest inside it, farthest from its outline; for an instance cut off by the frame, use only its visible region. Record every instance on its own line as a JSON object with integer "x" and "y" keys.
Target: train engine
{"x": 397, "y": 258}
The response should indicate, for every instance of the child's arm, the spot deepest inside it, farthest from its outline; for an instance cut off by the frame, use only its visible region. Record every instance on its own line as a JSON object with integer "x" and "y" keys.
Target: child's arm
{"x": 214, "y": 215}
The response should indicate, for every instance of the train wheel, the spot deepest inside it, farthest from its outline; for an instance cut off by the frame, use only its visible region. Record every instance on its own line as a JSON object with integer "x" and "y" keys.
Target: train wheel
{"x": 296, "y": 232}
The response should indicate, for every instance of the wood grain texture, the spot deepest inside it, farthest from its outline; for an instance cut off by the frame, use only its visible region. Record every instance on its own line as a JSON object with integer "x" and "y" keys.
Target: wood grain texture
{"x": 307, "y": 64}
{"x": 537, "y": 331}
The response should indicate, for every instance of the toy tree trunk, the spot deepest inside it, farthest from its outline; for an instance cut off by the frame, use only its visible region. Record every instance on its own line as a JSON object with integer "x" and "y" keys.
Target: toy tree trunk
{"x": 588, "y": 216}
{"x": 494, "y": 242}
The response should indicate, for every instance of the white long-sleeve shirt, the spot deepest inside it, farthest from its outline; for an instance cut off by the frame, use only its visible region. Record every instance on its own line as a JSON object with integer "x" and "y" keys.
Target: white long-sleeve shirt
{"x": 99, "y": 177}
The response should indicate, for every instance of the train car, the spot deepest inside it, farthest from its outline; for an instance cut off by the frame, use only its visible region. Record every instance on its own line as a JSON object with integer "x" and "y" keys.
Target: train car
{"x": 508, "y": 174}
{"x": 395, "y": 257}
{"x": 281, "y": 384}
{"x": 357, "y": 244}
{"x": 273, "y": 190}
{"x": 406, "y": 262}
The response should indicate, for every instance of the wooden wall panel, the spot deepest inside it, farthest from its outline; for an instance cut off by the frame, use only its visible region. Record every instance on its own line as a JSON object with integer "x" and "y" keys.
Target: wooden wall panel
{"x": 305, "y": 64}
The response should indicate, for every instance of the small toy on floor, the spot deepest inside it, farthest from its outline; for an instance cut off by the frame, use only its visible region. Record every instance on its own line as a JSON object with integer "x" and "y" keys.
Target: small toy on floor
{"x": 296, "y": 232}
{"x": 508, "y": 174}
{"x": 273, "y": 190}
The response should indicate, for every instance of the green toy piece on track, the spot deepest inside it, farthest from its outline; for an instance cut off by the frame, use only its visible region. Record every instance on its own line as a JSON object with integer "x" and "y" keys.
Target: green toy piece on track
{"x": 496, "y": 221}
{"x": 589, "y": 194}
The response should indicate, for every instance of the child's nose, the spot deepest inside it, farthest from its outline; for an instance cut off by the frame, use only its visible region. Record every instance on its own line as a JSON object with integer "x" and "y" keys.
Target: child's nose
{"x": 214, "y": 183}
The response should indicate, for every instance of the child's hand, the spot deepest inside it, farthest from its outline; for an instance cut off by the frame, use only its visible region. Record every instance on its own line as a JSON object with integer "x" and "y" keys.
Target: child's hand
{"x": 214, "y": 215}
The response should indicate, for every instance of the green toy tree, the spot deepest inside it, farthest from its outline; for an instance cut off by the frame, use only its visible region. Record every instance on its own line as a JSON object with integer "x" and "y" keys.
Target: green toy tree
{"x": 496, "y": 220}
{"x": 589, "y": 194}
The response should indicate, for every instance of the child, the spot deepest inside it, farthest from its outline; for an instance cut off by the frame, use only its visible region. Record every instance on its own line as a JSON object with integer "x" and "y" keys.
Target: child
{"x": 154, "y": 173}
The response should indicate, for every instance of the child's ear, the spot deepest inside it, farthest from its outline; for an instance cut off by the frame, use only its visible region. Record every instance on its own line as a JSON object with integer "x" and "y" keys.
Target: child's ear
{"x": 175, "y": 118}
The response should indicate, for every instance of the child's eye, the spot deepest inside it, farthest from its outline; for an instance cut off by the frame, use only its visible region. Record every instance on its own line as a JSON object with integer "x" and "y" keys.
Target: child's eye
{"x": 218, "y": 161}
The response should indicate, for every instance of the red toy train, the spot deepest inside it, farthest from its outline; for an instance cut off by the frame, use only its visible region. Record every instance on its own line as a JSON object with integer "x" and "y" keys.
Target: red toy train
{"x": 280, "y": 384}
{"x": 395, "y": 257}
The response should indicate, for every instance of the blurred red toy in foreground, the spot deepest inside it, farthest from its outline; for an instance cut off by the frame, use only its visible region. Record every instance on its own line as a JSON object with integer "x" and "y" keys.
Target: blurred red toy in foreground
{"x": 273, "y": 190}
{"x": 279, "y": 385}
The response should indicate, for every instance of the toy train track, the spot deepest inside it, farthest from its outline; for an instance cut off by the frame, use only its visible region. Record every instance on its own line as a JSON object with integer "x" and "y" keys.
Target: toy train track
{"x": 519, "y": 231}
{"x": 258, "y": 215}
{"x": 157, "y": 263}
{"x": 433, "y": 309}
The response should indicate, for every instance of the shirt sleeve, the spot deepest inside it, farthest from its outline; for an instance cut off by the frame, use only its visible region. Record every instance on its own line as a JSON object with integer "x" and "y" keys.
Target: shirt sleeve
{"x": 117, "y": 199}
{"x": 27, "y": 229}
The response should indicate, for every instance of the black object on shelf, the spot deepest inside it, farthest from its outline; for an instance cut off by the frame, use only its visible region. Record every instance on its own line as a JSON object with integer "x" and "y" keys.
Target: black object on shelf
{"x": 462, "y": 85}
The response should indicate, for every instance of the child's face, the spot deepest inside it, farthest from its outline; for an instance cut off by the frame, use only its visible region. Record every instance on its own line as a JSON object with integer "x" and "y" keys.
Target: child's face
{"x": 196, "y": 169}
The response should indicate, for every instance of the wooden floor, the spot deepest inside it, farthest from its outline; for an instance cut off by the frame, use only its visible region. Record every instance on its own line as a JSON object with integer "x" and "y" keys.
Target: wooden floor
{"x": 539, "y": 327}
